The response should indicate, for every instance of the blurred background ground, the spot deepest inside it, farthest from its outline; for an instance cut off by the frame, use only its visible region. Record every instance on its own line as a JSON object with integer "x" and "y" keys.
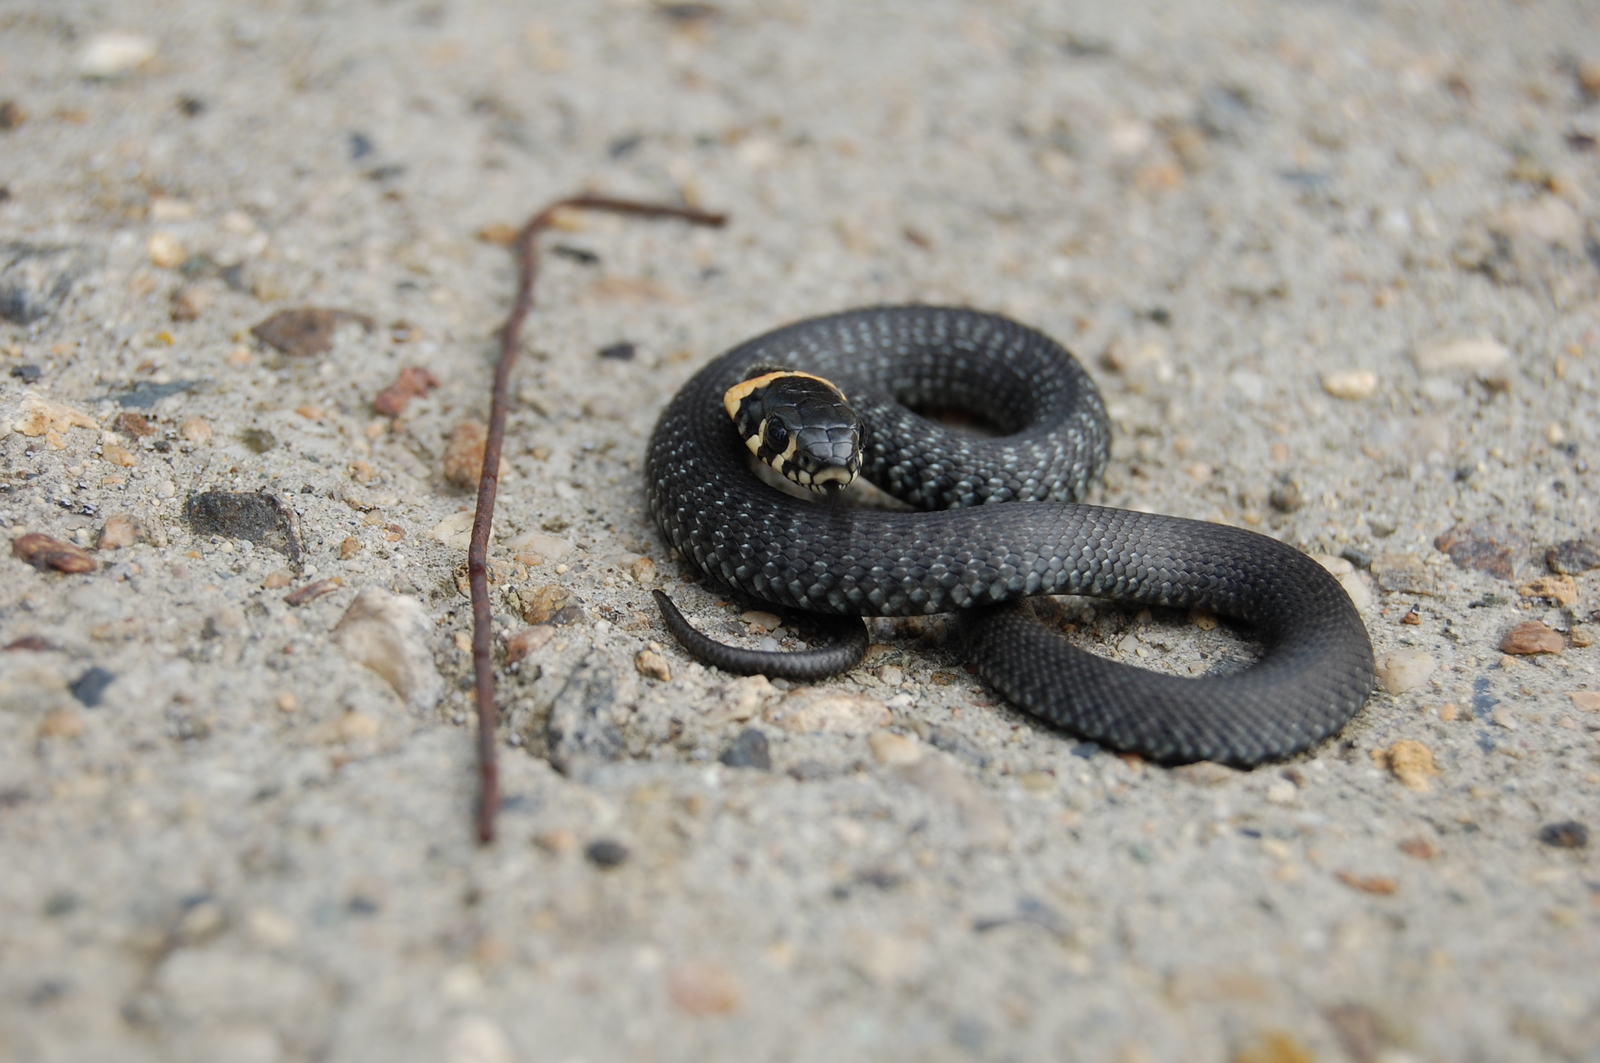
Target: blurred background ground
{"x": 1336, "y": 266}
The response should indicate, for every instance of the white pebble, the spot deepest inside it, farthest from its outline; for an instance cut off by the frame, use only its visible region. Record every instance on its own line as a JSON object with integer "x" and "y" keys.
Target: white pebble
{"x": 1477, "y": 355}
{"x": 109, "y": 55}
{"x": 1405, "y": 670}
{"x": 1350, "y": 383}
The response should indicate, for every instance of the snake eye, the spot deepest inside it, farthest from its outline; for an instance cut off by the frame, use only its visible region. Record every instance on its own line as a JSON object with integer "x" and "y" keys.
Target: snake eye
{"x": 777, "y": 435}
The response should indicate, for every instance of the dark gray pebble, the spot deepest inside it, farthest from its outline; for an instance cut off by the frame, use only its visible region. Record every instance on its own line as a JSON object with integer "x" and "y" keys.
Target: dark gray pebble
{"x": 619, "y": 352}
{"x": 28, "y": 373}
{"x": 260, "y": 518}
{"x": 749, "y": 750}
{"x": 1568, "y": 835}
{"x": 607, "y": 853}
{"x": 91, "y": 685}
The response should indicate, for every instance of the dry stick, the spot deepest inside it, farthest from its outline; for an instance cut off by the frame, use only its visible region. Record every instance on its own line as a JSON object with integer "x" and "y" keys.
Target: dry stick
{"x": 527, "y": 252}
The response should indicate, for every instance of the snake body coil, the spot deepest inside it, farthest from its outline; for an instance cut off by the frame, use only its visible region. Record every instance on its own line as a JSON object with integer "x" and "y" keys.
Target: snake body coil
{"x": 962, "y": 553}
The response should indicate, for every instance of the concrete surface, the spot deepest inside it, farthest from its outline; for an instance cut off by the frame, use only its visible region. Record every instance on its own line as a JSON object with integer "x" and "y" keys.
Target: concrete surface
{"x": 1264, "y": 226}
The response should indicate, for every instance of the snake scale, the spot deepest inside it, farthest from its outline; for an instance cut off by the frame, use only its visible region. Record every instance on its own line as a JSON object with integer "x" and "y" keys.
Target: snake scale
{"x": 959, "y": 551}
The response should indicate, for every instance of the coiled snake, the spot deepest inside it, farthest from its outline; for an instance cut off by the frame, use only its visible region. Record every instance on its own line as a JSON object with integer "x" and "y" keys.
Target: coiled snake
{"x": 961, "y": 552}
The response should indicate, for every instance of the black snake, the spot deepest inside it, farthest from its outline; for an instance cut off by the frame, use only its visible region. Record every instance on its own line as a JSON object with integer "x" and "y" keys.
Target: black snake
{"x": 961, "y": 553}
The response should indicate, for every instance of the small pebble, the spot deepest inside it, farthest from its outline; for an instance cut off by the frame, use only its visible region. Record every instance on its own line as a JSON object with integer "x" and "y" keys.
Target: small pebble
{"x": 1418, "y": 848}
{"x": 1405, "y": 670}
{"x": 1502, "y": 718}
{"x": 749, "y": 750}
{"x": 27, "y": 373}
{"x": 1476, "y": 355}
{"x": 165, "y": 251}
{"x": 701, "y": 987}
{"x": 1412, "y": 763}
{"x": 350, "y": 547}
{"x": 894, "y": 750}
{"x": 643, "y": 571}
{"x": 64, "y": 722}
{"x": 287, "y": 702}
{"x": 1568, "y": 835}
{"x": 120, "y": 530}
{"x": 133, "y": 425}
{"x": 547, "y": 547}
{"x": 527, "y": 641}
{"x": 1531, "y": 637}
{"x": 393, "y": 635}
{"x": 91, "y": 686}
{"x": 12, "y": 116}
{"x": 1351, "y": 384}
{"x": 413, "y": 382}
{"x": 463, "y": 455}
{"x": 1449, "y": 711}
{"x": 1484, "y": 547}
{"x": 312, "y": 591}
{"x": 117, "y": 454}
{"x": 619, "y": 352}
{"x": 1559, "y": 590}
{"x": 652, "y": 665}
{"x": 1585, "y": 700}
{"x": 113, "y": 54}
{"x": 606, "y": 853}
{"x": 557, "y": 840}
{"x": 1573, "y": 556}
{"x": 277, "y": 579}
{"x": 1282, "y": 792}
{"x": 45, "y": 553}
{"x": 760, "y": 622}
{"x": 189, "y": 302}
{"x": 1382, "y": 885}
{"x": 308, "y": 330}
{"x": 825, "y": 711}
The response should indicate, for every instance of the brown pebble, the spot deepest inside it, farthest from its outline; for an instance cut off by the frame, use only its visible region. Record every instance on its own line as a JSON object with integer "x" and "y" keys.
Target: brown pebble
{"x": 701, "y": 987}
{"x": 363, "y": 473}
{"x": 65, "y": 722}
{"x": 463, "y": 455}
{"x": 1449, "y": 711}
{"x": 760, "y": 622}
{"x": 120, "y": 530}
{"x": 189, "y": 302}
{"x": 541, "y": 605}
{"x": 35, "y": 643}
{"x": 1382, "y": 885}
{"x": 557, "y": 840}
{"x": 45, "y": 552}
{"x": 195, "y": 430}
{"x": 643, "y": 571}
{"x": 277, "y": 579}
{"x": 1402, "y": 574}
{"x": 1566, "y": 835}
{"x": 12, "y": 115}
{"x": 1580, "y": 636}
{"x": 313, "y": 591}
{"x": 527, "y": 641}
{"x": 349, "y": 548}
{"x": 1489, "y": 548}
{"x": 307, "y": 330}
{"x": 287, "y": 702}
{"x": 1418, "y": 847}
{"x": 1531, "y": 637}
{"x": 498, "y": 233}
{"x": 652, "y": 665}
{"x": 1412, "y": 763}
{"x": 117, "y": 454}
{"x": 1560, "y": 590}
{"x": 413, "y": 383}
{"x": 1275, "y": 1046}
{"x": 133, "y": 425}
{"x": 1585, "y": 700}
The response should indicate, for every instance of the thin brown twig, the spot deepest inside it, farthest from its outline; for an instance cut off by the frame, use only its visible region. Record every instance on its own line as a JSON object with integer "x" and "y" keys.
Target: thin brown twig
{"x": 527, "y": 251}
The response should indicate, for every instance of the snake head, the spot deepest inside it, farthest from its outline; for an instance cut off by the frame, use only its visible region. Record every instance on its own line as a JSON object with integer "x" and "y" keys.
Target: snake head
{"x": 799, "y": 425}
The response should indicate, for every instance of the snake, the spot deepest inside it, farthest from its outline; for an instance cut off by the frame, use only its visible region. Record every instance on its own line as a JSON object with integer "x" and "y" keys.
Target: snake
{"x": 989, "y": 521}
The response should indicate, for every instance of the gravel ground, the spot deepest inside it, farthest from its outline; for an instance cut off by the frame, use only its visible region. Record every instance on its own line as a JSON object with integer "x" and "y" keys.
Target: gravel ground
{"x": 1335, "y": 265}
